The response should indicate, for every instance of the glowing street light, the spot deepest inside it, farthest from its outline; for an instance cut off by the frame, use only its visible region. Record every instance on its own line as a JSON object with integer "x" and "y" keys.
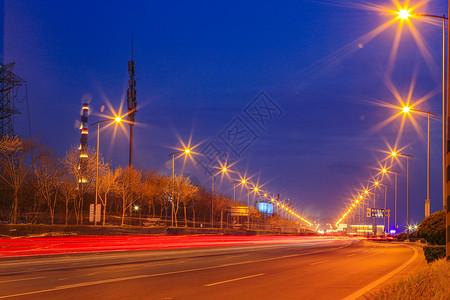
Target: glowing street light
{"x": 445, "y": 134}
{"x": 377, "y": 183}
{"x": 395, "y": 154}
{"x": 186, "y": 151}
{"x": 242, "y": 182}
{"x": 403, "y": 14}
{"x": 384, "y": 171}
{"x": 428, "y": 114}
{"x": 223, "y": 169}
{"x": 117, "y": 119}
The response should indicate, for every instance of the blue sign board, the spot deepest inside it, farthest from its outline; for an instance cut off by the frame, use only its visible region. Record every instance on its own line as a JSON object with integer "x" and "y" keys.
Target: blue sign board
{"x": 266, "y": 208}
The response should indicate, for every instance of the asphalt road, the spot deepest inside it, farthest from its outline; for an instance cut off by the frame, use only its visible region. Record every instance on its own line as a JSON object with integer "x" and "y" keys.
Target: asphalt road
{"x": 322, "y": 269}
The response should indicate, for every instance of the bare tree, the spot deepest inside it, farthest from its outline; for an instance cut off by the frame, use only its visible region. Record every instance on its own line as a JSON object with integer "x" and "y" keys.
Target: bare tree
{"x": 84, "y": 176}
{"x": 68, "y": 189}
{"x": 151, "y": 189}
{"x": 128, "y": 185}
{"x": 200, "y": 203}
{"x": 48, "y": 172}
{"x": 221, "y": 203}
{"x": 107, "y": 183}
{"x": 17, "y": 157}
{"x": 184, "y": 191}
{"x": 157, "y": 190}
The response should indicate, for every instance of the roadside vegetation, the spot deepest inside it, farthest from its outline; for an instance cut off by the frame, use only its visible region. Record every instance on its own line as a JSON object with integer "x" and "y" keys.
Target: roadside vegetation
{"x": 431, "y": 282}
{"x": 432, "y": 229}
{"x": 38, "y": 186}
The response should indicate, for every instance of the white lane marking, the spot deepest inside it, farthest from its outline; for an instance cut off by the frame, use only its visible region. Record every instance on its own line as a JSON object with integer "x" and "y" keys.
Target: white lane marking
{"x": 319, "y": 262}
{"x": 82, "y": 284}
{"x": 235, "y": 279}
{"x": 367, "y": 288}
{"x": 351, "y": 254}
{"x": 22, "y": 279}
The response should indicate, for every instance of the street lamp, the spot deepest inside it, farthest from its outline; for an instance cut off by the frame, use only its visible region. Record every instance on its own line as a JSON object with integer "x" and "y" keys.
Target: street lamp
{"x": 136, "y": 209}
{"x": 255, "y": 189}
{"x": 445, "y": 114}
{"x": 384, "y": 171}
{"x": 377, "y": 183}
{"x": 396, "y": 154}
{"x": 186, "y": 151}
{"x": 367, "y": 193}
{"x": 407, "y": 110}
{"x": 242, "y": 181}
{"x": 223, "y": 169}
{"x": 403, "y": 14}
{"x": 117, "y": 120}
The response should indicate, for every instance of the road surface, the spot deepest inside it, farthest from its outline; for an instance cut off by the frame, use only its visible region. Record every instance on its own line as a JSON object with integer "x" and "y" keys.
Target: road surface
{"x": 294, "y": 269}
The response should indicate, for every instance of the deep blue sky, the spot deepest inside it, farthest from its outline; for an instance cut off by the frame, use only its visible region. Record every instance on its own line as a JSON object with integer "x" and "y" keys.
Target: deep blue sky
{"x": 200, "y": 63}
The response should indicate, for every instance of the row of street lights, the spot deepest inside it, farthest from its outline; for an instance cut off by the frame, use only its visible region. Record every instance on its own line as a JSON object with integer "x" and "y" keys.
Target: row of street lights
{"x": 359, "y": 200}
{"x": 187, "y": 152}
{"x": 405, "y": 14}
{"x": 242, "y": 181}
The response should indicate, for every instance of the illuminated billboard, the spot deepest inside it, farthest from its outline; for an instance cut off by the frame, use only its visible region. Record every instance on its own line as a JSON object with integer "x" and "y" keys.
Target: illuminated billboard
{"x": 266, "y": 208}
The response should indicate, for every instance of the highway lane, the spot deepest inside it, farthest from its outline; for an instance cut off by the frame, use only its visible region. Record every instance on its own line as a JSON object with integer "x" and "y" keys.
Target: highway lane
{"x": 326, "y": 269}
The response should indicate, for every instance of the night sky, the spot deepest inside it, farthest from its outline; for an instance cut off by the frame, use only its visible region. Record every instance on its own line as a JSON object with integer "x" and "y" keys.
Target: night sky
{"x": 200, "y": 64}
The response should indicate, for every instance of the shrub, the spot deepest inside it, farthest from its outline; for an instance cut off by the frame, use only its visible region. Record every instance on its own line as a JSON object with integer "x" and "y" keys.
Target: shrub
{"x": 433, "y": 253}
{"x": 432, "y": 228}
{"x": 401, "y": 236}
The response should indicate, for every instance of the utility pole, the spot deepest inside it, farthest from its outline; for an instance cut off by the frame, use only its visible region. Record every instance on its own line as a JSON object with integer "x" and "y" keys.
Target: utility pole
{"x": 131, "y": 101}
{"x": 447, "y": 206}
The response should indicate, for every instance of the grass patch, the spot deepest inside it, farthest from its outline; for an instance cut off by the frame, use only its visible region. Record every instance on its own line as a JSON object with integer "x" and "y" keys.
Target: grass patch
{"x": 431, "y": 282}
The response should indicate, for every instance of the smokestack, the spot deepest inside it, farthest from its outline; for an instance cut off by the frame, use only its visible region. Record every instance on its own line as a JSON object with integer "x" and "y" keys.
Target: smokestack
{"x": 83, "y": 141}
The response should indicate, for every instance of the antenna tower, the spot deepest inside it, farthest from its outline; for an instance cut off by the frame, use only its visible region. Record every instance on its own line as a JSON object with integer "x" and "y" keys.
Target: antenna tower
{"x": 131, "y": 100}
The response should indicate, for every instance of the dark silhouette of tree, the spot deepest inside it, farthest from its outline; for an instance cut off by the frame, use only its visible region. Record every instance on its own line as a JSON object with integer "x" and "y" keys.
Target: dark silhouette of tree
{"x": 17, "y": 157}
{"x": 48, "y": 172}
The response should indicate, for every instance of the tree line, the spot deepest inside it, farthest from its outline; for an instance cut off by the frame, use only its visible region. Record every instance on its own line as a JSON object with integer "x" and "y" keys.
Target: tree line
{"x": 38, "y": 186}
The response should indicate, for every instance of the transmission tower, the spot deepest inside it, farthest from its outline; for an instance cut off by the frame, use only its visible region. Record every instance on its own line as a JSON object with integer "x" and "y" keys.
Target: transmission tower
{"x": 131, "y": 101}
{"x": 9, "y": 86}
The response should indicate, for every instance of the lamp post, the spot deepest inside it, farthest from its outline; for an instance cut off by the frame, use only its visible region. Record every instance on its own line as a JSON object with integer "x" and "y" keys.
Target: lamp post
{"x": 407, "y": 110}
{"x": 384, "y": 171}
{"x": 377, "y": 183}
{"x": 242, "y": 181}
{"x": 367, "y": 193}
{"x": 136, "y": 208}
{"x": 444, "y": 115}
{"x": 117, "y": 120}
{"x": 445, "y": 122}
{"x": 213, "y": 174}
{"x": 186, "y": 152}
{"x": 360, "y": 208}
{"x": 395, "y": 154}
{"x": 255, "y": 189}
